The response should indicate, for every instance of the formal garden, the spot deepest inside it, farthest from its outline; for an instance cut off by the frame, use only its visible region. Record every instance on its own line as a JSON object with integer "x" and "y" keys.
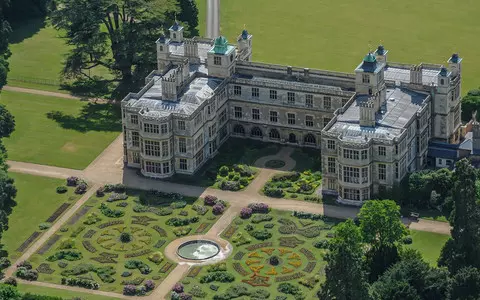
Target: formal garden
{"x": 115, "y": 241}
{"x": 232, "y": 168}
{"x": 294, "y": 185}
{"x": 277, "y": 255}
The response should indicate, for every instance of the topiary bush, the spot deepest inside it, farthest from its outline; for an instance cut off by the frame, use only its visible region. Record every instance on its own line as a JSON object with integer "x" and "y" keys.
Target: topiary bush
{"x": 149, "y": 285}
{"x": 273, "y": 192}
{"x": 218, "y": 209}
{"x": 62, "y": 189}
{"x": 100, "y": 192}
{"x": 81, "y": 188}
{"x": 178, "y": 288}
{"x": 273, "y": 260}
{"x": 125, "y": 237}
{"x": 228, "y": 185}
{"x": 246, "y": 213}
{"x": 44, "y": 226}
{"x": 261, "y": 234}
{"x": 72, "y": 181}
{"x": 223, "y": 171}
{"x": 210, "y": 200}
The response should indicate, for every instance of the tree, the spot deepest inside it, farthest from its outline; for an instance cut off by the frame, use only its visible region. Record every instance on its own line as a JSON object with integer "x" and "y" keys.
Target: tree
{"x": 470, "y": 103}
{"x": 382, "y": 228}
{"x": 116, "y": 34}
{"x": 9, "y": 292}
{"x": 189, "y": 15}
{"x": 463, "y": 248}
{"x": 345, "y": 276}
{"x": 4, "y": 51}
{"x": 466, "y": 284}
{"x": 7, "y": 122}
{"x": 412, "y": 278}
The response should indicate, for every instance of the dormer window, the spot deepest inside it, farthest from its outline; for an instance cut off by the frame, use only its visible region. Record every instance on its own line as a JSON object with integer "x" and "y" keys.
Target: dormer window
{"x": 174, "y": 35}
{"x": 217, "y": 60}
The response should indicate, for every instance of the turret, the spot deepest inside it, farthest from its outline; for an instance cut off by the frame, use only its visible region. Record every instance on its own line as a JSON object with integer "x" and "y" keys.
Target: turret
{"x": 163, "y": 53}
{"x": 369, "y": 78}
{"x": 455, "y": 65}
{"x": 221, "y": 58}
{"x": 381, "y": 54}
{"x": 176, "y": 32}
{"x": 244, "y": 46}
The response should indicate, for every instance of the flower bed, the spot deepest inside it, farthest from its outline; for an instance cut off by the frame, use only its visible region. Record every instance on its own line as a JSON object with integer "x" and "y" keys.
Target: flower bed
{"x": 28, "y": 241}
{"x": 293, "y": 183}
{"x": 57, "y": 213}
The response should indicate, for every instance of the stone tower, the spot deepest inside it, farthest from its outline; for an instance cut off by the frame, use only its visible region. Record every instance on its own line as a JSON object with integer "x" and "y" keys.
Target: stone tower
{"x": 176, "y": 32}
{"x": 369, "y": 77}
{"x": 221, "y": 58}
{"x": 163, "y": 53}
{"x": 244, "y": 46}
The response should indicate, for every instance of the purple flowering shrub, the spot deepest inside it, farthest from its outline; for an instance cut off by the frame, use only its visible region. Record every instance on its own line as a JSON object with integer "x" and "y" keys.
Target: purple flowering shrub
{"x": 246, "y": 213}
{"x": 259, "y": 208}
{"x": 210, "y": 200}
{"x": 72, "y": 181}
{"x": 149, "y": 285}
{"x": 218, "y": 209}
{"x": 81, "y": 188}
{"x": 178, "y": 288}
{"x": 130, "y": 290}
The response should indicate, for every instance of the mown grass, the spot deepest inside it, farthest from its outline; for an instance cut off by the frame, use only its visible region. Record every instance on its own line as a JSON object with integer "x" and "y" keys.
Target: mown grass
{"x": 429, "y": 244}
{"x": 36, "y": 200}
{"x": 66, "y": 294}
{"x": 59, "y": 132}
{"x": 335, "y": 35}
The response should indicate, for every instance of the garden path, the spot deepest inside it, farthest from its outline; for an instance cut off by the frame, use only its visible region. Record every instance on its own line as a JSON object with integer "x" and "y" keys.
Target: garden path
{"x": 50, "y": 94}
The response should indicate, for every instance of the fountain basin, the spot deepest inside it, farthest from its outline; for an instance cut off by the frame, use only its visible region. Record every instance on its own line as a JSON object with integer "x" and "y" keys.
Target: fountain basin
{"x": 198, "y": 250}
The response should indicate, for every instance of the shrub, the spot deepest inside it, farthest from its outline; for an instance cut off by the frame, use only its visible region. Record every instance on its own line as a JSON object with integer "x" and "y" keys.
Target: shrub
{"x": 269, "y": 225}
{"x": 197, "y": 292}
{"x": 125, "y": 237}
{"x": 67, "y": 243}
{"x": 181, "y": 221}
{"x": 227, "y": 185}
{"x": 261, "y": 218}
{"x": 27, "y": 274}
{"x": 249, "y": 227}
{"x": 407, "y": 240}
{"x": 44, "y": 226}
{"x": 273, "y": 192}
{"x": 232, "y": 292}
{"x": 186, "y": 281}
{"x": 246, "y": 213}
{"x": 85, "y": 283}
{"x": 273, "y": 260}
{"x": 178, "y": 204}
{"x": 260, "y": 294}
{"x": 81, "y": 188}
{"x": 126, "y": 274}
{"x": 261, "y": 234}
{"x": 136, "y": 264}
{"x": 218, "y": 209}
{"x": 322, "y": 244}
{"x": 156, "y": 257}
{"x": 5, "y": 263}
{"x": 111, "y": 213}
{"x": 129, "y": 290}
{"x": 117, "y": 197}
{"x": 223, "y": 171}
{"x": 149, "y": 285}
{"x": 288, "y": 288}
{"x": 25, "y": 264}
{"x": 305, "y": 215}
{"x": 11, "y": 281}
{"x": 72, "y": 181}
{"x": 69, "y": 255}
{"x": 210, "y": 200}
{"x": 200, "y": 209}
{"x": 62, "y": 264}
{"x": 178, "y": 288}
{"x": 117, "y": 188}
{"x": 217, "y": 276}
{"x": 62, "y": 189}
{"x": 243, "y": 170}
{"x": 243, "y": 181}
{"x": 100, "y": 192}
{"x": 217, "y": 267}
{"x": 313, "y": 199}
{"x": 92, "y": 219}
{"x": 291, "y": 176}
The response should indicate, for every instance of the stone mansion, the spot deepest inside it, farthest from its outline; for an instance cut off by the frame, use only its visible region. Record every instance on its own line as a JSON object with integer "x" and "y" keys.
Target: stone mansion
{"x": 371, "y": 127}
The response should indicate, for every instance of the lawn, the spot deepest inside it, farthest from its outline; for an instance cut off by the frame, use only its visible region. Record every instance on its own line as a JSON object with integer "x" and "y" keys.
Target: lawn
{"x": 118, "y": 239}
{"x": 59, "y": 132}
{"x": 33, "y": 289}
{"x": 37, "y": 199}
{"x": 429, "y": 244}
{"x": 335, "y": 35}
{"x": 37, "y": 58}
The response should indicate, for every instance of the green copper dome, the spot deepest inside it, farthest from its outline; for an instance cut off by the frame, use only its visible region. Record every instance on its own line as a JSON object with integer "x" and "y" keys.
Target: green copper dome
{"x": 370, "y": 58}
{"x": 221, "y": 45}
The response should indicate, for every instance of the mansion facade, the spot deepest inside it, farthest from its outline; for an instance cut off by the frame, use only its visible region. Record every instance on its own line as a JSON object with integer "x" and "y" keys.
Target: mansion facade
{"x": 371, "y": 127}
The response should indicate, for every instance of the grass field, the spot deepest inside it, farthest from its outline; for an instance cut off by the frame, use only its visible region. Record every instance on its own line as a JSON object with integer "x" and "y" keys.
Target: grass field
{"x": 38, "y": 52}
{"x": 335, "y": 35}
{"x": 26, "y": 288}
{"x": 59, "y": 132}
{"x": 36, "y": 201}
{"x": 429, "y": 244}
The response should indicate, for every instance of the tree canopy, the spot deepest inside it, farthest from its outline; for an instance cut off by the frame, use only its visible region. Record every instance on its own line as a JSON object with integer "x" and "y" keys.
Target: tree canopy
{"x": 463, "y": 248}
{"x": 345, "y": 275}
{"x": 470, "y": 103}
{"x": 119, "y": 35}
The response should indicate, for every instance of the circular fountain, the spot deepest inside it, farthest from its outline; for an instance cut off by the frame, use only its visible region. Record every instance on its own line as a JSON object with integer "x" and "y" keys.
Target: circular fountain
{"x": 198, "y": 250}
